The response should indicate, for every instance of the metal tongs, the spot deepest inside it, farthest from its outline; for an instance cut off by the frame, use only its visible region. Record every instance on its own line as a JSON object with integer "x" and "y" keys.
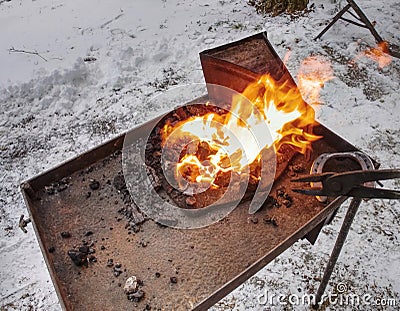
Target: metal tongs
{"x": 350, "y": 184}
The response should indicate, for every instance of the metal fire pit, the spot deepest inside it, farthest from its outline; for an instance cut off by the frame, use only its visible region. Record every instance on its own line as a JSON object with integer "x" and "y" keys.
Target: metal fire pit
{"x": 180, "y": 269}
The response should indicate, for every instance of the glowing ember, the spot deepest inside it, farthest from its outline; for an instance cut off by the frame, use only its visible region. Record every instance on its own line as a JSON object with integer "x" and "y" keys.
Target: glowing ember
{"x": 378, "y": 54}
{"x": 215, "y": 145}
{"x": 314, "y": 72}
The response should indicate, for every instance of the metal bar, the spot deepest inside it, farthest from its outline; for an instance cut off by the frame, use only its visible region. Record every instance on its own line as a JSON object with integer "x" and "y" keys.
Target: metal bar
{"x": 353, "y": 22}
{"x": 354, "y": 15}
{"x": 335, "y": 19}
{"x": 362, "y": 17}
{"x": 365, "y": 20}
{"x": 344, "y": 230}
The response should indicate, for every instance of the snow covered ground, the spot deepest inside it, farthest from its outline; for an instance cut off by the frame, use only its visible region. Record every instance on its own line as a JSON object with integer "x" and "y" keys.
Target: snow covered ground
{"x": 76, "y": 73}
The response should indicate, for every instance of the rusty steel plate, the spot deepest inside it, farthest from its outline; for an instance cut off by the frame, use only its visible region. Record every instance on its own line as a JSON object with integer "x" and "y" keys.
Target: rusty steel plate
{"x": 180, "y": 269}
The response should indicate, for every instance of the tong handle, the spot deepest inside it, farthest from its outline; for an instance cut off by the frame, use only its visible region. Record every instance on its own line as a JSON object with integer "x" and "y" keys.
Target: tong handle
{"x": 360, "y": 177}
{"x": 369, "y": 193}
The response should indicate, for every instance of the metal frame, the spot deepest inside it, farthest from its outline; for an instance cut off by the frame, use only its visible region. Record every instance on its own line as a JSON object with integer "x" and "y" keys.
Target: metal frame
{"x": 44, "y": 212}
{"x": 361, "y": 21}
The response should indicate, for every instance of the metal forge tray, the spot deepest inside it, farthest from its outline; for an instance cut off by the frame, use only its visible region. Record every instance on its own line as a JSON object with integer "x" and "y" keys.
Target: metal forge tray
{"x": 208, "y": 263}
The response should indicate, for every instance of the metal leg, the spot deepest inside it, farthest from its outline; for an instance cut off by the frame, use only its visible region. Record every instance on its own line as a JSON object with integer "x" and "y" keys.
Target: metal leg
{"x": 335, "y": 19}
{"x": 344, "y": 230}
{"x": 362, "y": 17}
{"x": 365, "y": 20}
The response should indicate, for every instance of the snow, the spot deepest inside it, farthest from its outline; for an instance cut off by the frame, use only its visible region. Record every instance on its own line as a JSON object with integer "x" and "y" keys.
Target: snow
{"x": 56, "y": 105}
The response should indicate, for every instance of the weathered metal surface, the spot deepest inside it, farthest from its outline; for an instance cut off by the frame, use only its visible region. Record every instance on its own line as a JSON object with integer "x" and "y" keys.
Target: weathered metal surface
{"x": 208, "y": 262}
{"x": 237, "y": 64}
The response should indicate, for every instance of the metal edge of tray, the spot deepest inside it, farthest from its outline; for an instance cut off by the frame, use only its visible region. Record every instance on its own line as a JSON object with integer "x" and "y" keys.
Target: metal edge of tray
{"x": 62, "y": 170}
{"x": 86, "y": 159}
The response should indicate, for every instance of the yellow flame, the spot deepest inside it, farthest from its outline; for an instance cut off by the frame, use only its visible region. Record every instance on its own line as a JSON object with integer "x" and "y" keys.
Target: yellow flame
{"x": 231, "y": 144}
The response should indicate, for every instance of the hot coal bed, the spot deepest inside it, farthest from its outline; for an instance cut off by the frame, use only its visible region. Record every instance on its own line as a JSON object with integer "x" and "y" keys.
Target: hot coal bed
{"x": 94, "y": 238}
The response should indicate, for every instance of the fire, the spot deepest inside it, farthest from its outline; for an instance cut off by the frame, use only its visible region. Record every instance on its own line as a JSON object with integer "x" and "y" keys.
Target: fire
{"x": 219, "y": 144}
{"x": 314, "y": 72}
{"x": 379, "y": 54}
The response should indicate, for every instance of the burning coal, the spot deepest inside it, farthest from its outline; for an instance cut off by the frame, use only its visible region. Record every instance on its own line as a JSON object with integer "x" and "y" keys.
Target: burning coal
{"x": 231, "y": 141}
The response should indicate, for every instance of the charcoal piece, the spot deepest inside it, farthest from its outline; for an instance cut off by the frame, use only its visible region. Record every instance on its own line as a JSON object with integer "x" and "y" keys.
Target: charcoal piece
{"x": 287, "y": 203}
{"x": 117, "y": 272}
{"x": 270, "y": 221}
{"x": 119, "y": 182}
{"x": 173, "y": 279}
{"x": 131, "y": 212}
{"x": 280, "y": 192}
{"x": 92, "y": 259}
{"x": 253, "y": 220}
{"x": 94, "y": 184}
{"x": 89, "y": 233}
{"x": 143, "y": 243}
{"x": 62, "y": 184}
{"x": 50, "y": 190}
{"x": 110, "y": 263}
{"x": 77, "y": 257}
{"x": 137, "y": 296}
{"x": 117, "y": 269}
{"x": 84, "y": 249}
{"x": 65, "y": 235}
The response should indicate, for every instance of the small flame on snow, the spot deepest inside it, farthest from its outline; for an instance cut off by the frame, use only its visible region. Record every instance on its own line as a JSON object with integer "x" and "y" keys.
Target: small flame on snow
{"x": 379, "y": 54}
{"x": 314, "y": 72}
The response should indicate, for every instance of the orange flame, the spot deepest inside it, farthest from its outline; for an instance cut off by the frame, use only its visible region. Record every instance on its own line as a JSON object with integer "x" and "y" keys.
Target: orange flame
{"x": 314, "y": 72}
{"x": 379, "y": 54}
{"x": 225, "y": 143}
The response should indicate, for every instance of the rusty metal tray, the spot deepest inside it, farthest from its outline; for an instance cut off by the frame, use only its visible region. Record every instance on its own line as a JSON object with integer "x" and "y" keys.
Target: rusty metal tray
{"x": 208, "y": 263}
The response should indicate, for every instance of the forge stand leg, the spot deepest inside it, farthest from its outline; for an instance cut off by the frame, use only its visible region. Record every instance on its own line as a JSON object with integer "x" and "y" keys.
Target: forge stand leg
{"x": 361, "y": 17}
{"x": 366, "y": 21}
{"x": 334, "y": 20}
{"x": 344, "y": 230}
